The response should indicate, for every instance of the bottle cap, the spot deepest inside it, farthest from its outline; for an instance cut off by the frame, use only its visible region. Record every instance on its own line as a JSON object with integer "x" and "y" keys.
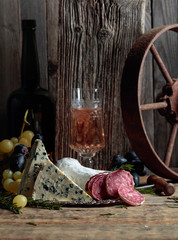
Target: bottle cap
{"x": 29, "y": 24}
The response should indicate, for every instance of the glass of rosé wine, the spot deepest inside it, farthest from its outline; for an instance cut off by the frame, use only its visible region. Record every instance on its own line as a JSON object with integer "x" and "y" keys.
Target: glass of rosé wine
{"x": 87, "y": 133}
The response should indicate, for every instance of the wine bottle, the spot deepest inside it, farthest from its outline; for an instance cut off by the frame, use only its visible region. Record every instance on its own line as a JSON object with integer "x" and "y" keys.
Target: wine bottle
{"x": 31, "y": 96}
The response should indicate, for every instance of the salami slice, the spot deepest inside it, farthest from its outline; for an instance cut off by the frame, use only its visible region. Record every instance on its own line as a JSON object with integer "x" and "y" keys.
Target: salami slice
{"x": 130, "y": 196}
{"x": 88, "y": 186}
{"x": 99, "y": 187}
{"x": 115, "y": 179}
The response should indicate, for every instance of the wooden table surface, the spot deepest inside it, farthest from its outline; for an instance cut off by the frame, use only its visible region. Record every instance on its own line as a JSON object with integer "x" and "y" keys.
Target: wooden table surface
{"x": 157, "y": 218}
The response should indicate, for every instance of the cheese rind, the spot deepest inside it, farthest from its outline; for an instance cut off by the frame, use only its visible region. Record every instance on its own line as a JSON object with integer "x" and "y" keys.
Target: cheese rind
{"x": 36, "y": 161}
{"x": 53, "y": 185}
{"x": 75, "y": 171}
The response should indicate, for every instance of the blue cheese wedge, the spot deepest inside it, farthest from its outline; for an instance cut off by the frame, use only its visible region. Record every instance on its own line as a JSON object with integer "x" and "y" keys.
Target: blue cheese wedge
{"x": 36, "y": 161}
{"x": 53, "y": 185}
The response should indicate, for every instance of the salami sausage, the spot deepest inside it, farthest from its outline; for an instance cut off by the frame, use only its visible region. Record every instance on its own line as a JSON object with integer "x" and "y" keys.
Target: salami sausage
{"x": 115, "y": 179}
{"x": 130, "y": 196}
{"x": 99, "y": 187}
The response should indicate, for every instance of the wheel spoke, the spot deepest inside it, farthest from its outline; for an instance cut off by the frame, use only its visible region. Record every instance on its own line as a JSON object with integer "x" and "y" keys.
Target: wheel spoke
{"x": 151, "y": 106}
{"x": 171, "y": 144}
{"x": 161, "y": 65}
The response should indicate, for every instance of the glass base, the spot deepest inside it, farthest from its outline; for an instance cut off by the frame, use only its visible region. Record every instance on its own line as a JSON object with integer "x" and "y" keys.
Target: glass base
{"x": 87, "y": 160}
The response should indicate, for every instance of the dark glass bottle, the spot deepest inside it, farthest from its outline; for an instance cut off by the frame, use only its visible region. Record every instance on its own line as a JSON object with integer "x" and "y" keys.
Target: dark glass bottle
{"x": 31, "y": 96}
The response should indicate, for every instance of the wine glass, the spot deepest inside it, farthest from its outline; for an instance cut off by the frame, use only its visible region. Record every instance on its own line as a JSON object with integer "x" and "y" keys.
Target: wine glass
{"x": 87, "y": 133}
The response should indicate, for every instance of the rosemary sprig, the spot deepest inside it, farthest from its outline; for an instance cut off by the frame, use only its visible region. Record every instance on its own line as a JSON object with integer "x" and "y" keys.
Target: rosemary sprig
{"x": 107, "y": 214}
{"x": 147, "y": 190}
{"x": 121, "y": 206}
{"x": 6, "y": 203}
{"x": 174, "y": 198}
{"x": 43, "y": 204}
{"x": 126, "y": 167}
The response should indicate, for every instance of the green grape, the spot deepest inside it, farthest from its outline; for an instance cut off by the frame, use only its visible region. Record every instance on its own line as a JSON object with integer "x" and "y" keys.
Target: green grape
{"x": 7, "y": 183}
{"x": 13, "y": 187}
{"x": 24, "y": 141}
{"x": 17, "y": 175}
{"x": 19, "y": 180}
{"x": 28, "y": 135}
{"x": 7, "y": 173}
{"x": 20, "y": 201}
{"x": 14, "y": 140}
{"x": 6, "y": 146}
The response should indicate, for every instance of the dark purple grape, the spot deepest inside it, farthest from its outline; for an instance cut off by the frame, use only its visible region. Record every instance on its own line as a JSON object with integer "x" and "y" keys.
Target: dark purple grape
{"x": 117, "y": 162}
{"x": 136, "y": 178}
{"x": 21, "y": 148}
{"x": 143, "y": 172}
{"x": 36, "y": 136}
{"x": 131, "y": 156}
{"x": 17, "y": 162}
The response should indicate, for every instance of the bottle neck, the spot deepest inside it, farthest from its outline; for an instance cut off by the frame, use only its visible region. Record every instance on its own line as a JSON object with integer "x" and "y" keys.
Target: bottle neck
{"x": 30, "y": 74}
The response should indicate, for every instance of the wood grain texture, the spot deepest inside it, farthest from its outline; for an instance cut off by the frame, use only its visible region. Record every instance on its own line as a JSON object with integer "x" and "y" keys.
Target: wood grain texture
{"x": 155, "y": 219}
{"x": 9, "y": 55}
{"x": 85, "y": 43}
{"x": 164, "y": 13}
{"x": 147, "y": 81}
{"x": 94, "y": 40}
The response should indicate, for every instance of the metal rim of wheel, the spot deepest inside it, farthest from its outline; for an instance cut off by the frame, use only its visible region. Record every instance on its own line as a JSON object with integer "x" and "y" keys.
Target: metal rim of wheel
{"x": 166, "y": 103}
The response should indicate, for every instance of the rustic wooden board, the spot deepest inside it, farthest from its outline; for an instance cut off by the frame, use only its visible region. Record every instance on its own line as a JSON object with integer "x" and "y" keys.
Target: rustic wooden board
{"x": 155, "y": 219}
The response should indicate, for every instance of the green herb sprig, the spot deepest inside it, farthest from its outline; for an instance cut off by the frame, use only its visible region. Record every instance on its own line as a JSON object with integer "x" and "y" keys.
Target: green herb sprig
{"x": 121, "y": 206}
{"x": 150, "y": 190}
{"x": 108, "y": 214}
{"x": 6, "y": 203}
{"x": 174, "y": 198}
{"x": 43, "y": 204}
{"x": 126, "y": 167}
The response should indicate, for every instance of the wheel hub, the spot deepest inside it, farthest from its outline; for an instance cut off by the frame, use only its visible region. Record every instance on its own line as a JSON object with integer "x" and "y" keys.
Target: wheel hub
{"x": 169, "y": 95}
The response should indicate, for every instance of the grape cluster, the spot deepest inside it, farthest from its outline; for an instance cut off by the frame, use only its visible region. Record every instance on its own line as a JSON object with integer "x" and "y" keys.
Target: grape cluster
{"x": 11, "y": 180}
{"x": 7, "y": 145}
{"x": 17, "y": 150}
{"x": 130, "y": 158}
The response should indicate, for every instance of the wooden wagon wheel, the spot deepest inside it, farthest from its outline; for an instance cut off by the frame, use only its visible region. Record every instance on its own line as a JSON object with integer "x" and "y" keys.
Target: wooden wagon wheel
{"x": 166, "y": 103}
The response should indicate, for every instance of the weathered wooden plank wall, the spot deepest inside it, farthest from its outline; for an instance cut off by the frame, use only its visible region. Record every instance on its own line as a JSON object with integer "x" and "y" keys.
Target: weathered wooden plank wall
{"x": 9, "y": 55}
{"x": 96, "y": 37}
{"x": 165, "y": 12}
{"x": 83, "y": 42}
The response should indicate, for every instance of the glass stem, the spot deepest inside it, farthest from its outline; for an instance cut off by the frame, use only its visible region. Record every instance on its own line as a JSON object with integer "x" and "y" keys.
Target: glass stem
{"x": 90, "y": 163}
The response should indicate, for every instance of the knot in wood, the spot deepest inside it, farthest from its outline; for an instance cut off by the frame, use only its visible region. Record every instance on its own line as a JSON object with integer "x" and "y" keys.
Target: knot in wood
{"x": 104, "y": 35}
{"x": 78, "y": 29}
{"x": 52, "y": 68}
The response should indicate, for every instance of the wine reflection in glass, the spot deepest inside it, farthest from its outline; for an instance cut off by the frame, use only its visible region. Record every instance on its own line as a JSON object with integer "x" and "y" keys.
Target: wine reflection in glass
{"x": 87, "y": 133}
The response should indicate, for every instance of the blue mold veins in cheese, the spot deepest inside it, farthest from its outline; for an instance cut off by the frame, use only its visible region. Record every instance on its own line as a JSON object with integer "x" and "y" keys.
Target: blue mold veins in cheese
{"x": 45, "y": 181}
{"x": 52, "y": 184}
{"x": 36, "y": 161}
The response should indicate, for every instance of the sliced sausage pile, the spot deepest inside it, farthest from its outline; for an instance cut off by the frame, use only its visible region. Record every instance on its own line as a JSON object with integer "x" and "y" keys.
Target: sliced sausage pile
{"x": 114, "y": 185}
